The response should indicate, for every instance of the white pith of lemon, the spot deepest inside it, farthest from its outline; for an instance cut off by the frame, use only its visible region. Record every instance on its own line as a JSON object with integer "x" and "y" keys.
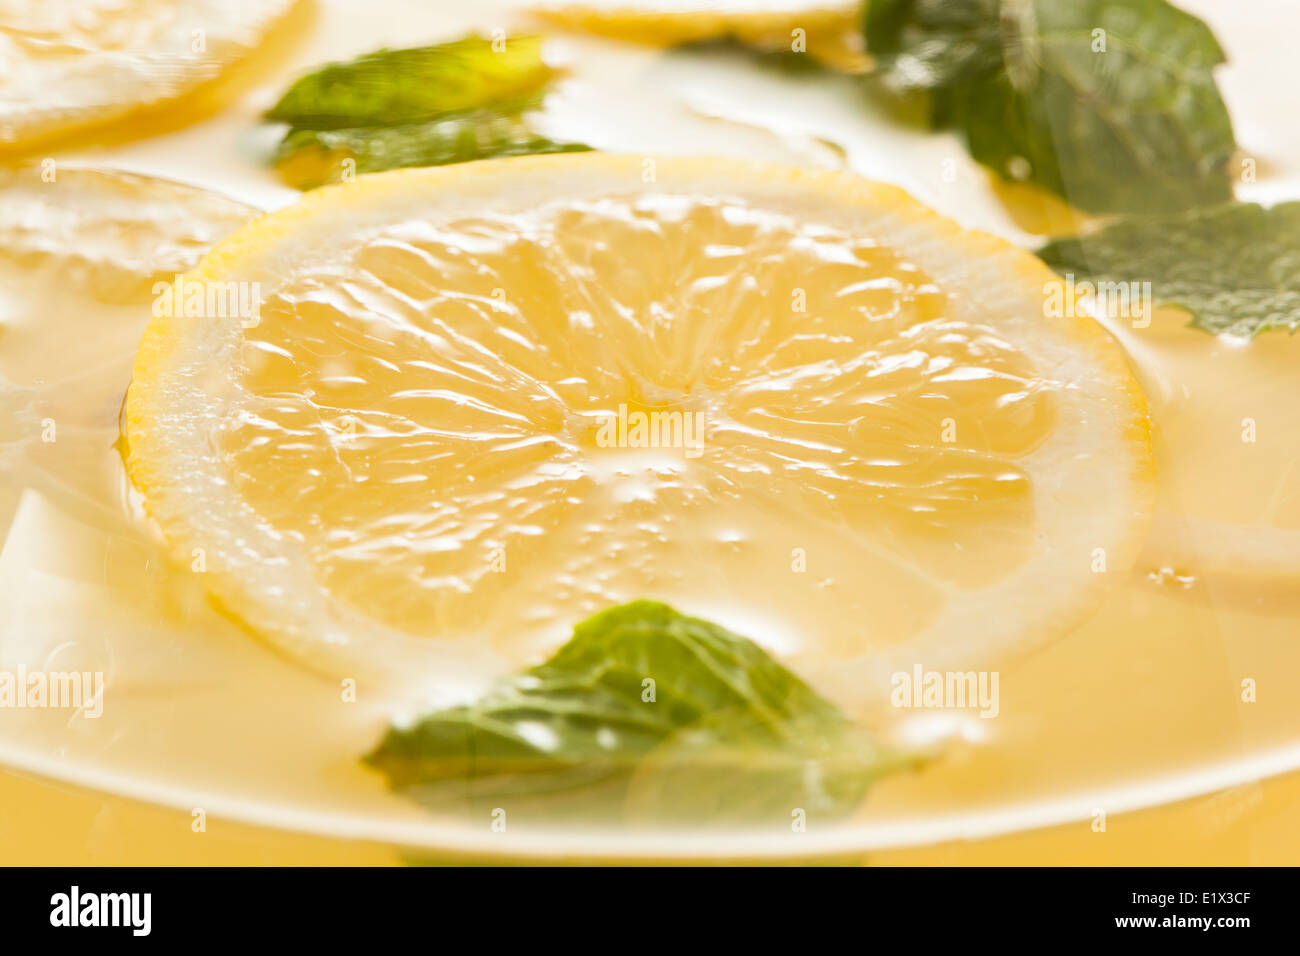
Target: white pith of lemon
{"x": 70, "y": 65}
{"x": 904, "y": 460}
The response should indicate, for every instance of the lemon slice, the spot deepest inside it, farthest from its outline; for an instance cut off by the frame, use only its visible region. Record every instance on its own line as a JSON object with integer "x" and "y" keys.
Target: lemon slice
{"x": 72, "y": 64}
{"x": 80, "y": 252}
{"x": 80, "y": 249}
{"x": 828, "y": 31}
{"x": 872, "y": 447}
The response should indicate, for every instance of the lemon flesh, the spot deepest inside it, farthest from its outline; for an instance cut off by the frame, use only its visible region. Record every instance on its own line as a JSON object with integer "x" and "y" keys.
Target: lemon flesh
{"x": 418, "y": 441}
{"x": 69, "y": 65}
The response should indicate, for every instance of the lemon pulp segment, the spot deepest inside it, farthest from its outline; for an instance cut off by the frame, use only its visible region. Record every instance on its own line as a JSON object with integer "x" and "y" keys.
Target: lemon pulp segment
{"x": 884, "y": 447}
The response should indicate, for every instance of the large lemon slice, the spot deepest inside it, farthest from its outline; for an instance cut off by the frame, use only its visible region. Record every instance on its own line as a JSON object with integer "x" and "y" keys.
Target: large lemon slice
{"x": 66, "y": 65}
{"x": 479, "y": 403}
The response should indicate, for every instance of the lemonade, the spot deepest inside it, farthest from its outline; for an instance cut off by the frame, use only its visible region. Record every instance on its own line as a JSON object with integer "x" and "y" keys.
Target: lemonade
{"x": 1140, "y": 700}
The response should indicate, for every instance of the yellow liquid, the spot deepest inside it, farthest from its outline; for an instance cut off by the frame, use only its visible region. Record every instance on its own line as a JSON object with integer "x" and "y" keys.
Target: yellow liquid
{"x": 1139, "y": 705}
{"x": 196, "y": 710}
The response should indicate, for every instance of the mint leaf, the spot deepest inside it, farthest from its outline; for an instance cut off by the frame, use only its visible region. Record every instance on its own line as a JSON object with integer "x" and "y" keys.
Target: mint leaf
{"x": 782, "y": 59}
{"x": 933, "y": 45}
{"x": 1111, "y": 104}
{"x": 715, "y": 771}
{"x": 426, "y": 106}
{"x": 1235, "y": 267}
{"x": 310, "y": 158}
{"x": 723, "y": 731}
{"x": 389, "y": 87}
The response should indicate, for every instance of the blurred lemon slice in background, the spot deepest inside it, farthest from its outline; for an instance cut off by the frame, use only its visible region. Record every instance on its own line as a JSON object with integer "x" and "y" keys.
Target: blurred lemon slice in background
{"x": 74, "y": 241}
{"x": 80, "y": 251}
{"x": 69, "y": 65}
{"x": 874, "y": 447}
{"x": 828, "y": 31}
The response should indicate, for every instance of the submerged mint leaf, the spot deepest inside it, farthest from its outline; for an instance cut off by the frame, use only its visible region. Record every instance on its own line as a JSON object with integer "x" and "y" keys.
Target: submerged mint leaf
{"x": 311, "y": 158}
{"x": 389, "y": 87}
{"x": 1111, "y": 104}
{"x": 649, "y": 714}
{"x": 716, "y": 771}
{"x": 1235, "y": 267}
{"x": 781, "y": 59}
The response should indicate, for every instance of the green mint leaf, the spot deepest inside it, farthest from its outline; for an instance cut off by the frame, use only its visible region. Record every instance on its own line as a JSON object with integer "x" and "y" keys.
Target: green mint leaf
{"x": 931, "y": 45}
{"x": 428, "y": 106}
{"x": 310, "y": 158}
{"x": 390, "y": 87}
{"x": 1235, "y": 267}
{"x": 1111, "y": 104}
{"x": 649, "y": 713}
{"x": 716, "y": 771}
{"x": 781, "y": 60}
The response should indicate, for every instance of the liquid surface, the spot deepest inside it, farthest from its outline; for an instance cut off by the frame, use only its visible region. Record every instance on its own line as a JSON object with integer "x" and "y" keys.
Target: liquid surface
{"x": 1142, "y": 703}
